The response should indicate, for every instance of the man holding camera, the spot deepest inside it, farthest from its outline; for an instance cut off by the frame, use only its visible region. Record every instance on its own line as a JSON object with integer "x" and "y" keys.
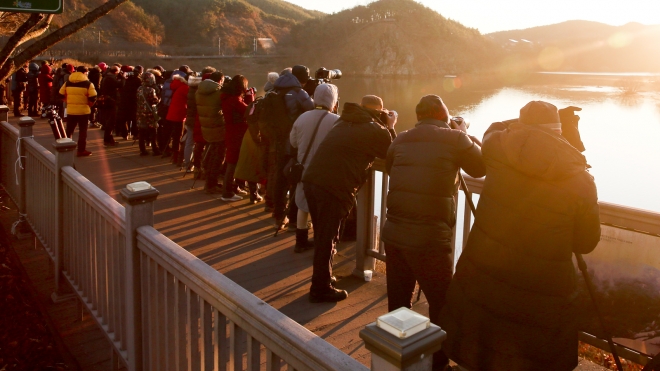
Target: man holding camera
{"x": 338, "y": 169}
{"x": 423, "y": 164}
{"x": 510, "y": 305}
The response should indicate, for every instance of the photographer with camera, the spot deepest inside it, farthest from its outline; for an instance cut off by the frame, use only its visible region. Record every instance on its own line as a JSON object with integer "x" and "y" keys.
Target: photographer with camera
{"x": 338, "y": 169}
{"x": 423, "y": 164}
{"x": 510, "y": 305}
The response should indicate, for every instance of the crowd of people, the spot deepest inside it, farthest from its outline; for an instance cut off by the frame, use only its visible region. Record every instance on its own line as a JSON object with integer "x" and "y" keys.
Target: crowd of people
{"x": 508, "y": 305}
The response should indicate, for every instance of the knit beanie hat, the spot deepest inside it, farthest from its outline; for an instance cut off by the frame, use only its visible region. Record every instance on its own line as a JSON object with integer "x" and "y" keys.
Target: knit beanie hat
{"x": 540, "y": 113}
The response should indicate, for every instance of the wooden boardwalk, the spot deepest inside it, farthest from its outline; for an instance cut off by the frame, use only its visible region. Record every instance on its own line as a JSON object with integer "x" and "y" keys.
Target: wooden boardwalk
{"x": 234, "y": 238}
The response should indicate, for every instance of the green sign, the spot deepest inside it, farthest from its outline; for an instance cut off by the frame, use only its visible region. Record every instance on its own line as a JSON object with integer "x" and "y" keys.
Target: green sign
{"x": 31, "y": 6}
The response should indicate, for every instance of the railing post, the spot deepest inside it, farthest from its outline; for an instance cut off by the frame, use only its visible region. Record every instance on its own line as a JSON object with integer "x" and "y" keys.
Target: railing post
{"x": 64, "y": 150}
{"x": 4, "y": 112}
{"x": 21, "y": 229}
{"x": 364, "y": 234}
{"x": 139, "y": 202}
{"x": 399, "y": 353}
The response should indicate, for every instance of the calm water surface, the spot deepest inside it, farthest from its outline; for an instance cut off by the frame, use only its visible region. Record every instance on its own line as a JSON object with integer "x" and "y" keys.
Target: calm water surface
{"x": 620, "y": 120}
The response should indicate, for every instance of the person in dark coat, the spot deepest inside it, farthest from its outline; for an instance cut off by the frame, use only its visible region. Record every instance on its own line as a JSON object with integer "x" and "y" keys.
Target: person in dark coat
{"x": 126, "y": 115}
{"x": 423, "y": 164}
{"x": 338, "y": 169}
{"x": 510, "y": 305}
{"x": 33, "y": 89}
{"x": 19, "y": 85}
{"x": 95, "y": 78}
{"x": 109, "y": 93}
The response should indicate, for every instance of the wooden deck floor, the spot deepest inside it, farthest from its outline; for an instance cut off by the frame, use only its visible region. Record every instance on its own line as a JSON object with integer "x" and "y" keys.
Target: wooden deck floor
{"x": 236, "y": 239}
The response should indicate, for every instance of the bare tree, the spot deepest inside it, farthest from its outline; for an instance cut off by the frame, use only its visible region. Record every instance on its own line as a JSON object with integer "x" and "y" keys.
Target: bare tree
{"x": 34, "y": 27}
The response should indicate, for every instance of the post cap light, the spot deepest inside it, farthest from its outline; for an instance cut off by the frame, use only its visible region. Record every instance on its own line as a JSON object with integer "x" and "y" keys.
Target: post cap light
{"x": 138, "y": 186}
{"x": 403, "y": 323}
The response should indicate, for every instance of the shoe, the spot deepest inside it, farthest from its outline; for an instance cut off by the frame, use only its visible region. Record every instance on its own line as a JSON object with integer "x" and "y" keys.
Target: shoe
{"x": 213, "y": 190}
{"x": 191, "y": 170}
{"x": 145, "y": 153}
{"x": 255, "y": 198}
{"x": 110, "y": 144}
{"x": 302, "y": 241}
{"x": 333, "y": 280}
{"x": 84, "y": 154}
{"x": 232, "y": 198}
{"x": 332, "y": 295}
{"x": 240, "y": 191}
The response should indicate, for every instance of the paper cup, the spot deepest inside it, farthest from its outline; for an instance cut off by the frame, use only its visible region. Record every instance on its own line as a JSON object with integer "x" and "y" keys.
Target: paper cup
{"x": 367, "y": 275}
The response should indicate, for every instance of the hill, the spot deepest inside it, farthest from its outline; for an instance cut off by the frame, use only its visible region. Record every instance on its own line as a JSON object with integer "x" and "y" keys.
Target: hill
{"x": 236, "y": 22}
{"x": 390, "y": 37}
{"x": 587, "y": 46}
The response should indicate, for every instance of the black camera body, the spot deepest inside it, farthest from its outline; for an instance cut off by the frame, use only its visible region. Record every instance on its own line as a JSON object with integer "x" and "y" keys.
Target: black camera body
{"x": 322, "y": 76}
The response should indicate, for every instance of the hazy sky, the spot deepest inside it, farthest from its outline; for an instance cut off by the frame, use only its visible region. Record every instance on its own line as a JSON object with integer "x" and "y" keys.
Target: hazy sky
{"x": 498, "y": 15}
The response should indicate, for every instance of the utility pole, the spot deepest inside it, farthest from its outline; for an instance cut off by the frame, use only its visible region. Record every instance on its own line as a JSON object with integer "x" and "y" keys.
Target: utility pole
{"x": 99, "y": 37}
{"x": 219, "y": 45}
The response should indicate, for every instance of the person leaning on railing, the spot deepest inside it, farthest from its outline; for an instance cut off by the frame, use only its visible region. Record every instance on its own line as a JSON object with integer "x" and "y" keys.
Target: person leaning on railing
{"x": 423, "y": 164}
{"x": 510, "y": 305}
{"x": 338, "y": 169}
{"x": 79, "y": 95}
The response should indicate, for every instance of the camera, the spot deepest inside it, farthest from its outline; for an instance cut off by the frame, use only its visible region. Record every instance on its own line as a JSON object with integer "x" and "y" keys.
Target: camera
{"x": 326, "y": 75}
{"x": 322, "y": 76}
{"x": 458, "y": 122}
{"x": 385, "y": 116}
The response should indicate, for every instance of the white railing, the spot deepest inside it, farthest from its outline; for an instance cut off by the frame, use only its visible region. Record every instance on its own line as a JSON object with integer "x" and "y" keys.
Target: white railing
{"x": 94, "y": 253}
{"x": 160, "y": 307}
{"x": 40, "y": 193}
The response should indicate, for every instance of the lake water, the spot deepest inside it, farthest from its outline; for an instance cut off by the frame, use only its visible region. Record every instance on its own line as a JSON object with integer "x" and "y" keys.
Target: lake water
{"x": 620, "y": 120}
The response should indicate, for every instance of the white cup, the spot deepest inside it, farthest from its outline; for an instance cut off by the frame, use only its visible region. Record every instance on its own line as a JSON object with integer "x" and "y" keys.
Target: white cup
{"x": 367, "y": 275}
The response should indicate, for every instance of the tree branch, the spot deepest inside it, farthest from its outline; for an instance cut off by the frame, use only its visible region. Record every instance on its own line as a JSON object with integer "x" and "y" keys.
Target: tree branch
{"x": 38, "y": 29}
{"x": 9, "y": 66}
{"x": 15, "y": 40}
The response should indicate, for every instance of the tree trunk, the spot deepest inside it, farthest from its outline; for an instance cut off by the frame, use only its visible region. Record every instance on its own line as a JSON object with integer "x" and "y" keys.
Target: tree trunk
{"x": 16, "y": 38}
{"x": 9, "y": 65}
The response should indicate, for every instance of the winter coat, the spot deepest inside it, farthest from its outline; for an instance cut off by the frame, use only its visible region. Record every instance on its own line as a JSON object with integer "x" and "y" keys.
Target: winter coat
{"x": 58, "y": 81}
{"x": 146, "y": 102}
{"x": 233, "y": 108}
{"x": 33, "y": 82}
{"x": 167, "y": 92}
{"x": 128, "y": 93}
{"x": 510, "y": 305}
{"x": 423, "y": 164}
{"x": 19, "y": 80}
{"x": 297, "y": 100}
{"x": 344, "y": 158}
{"x": 94, "y": 77}
{"x": 209, "y": 110}
{"x": 45, "y": 83}
{"x": 179, "y": 104}
{"x": 191, "y": 109}
{"x": 110, "y": 86}
{"x": 79, "y": 94}
{"x": 303, "y": 129}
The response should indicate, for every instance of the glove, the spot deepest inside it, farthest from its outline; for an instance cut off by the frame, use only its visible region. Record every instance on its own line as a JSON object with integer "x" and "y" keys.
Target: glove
{"x": 569, "y": 126}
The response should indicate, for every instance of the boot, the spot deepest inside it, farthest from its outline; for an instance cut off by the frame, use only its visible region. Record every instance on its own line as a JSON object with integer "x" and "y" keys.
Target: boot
{"x": 302, "y": 241}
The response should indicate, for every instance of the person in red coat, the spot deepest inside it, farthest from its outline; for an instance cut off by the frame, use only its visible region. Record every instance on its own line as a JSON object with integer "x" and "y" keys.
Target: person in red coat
{"x": 176, "y": 114}
{"x": 235, "y": 98}
{"x": 45, "y": 79}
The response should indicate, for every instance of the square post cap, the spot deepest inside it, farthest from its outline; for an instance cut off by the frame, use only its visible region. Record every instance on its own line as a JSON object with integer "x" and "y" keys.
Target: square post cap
{"x": 64, "y": 145}
{"x": 4, "y": 109}
{"x": 139, "y": 193}
{"x": 409, "y": 340}
{"x": 25, "y": 121}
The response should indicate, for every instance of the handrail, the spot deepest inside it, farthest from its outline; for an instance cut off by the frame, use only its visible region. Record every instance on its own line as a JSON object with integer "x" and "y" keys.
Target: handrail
{"x": 42, "y": 154}
{"x": 292, "y": 342}
{"x": 112, "y": 210}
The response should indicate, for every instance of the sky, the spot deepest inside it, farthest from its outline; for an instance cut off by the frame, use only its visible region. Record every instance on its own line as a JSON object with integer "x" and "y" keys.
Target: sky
{"x": 499, "y": 15}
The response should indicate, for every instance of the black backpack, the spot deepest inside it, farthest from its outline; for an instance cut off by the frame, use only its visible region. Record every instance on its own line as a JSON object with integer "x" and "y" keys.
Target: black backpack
{"x": 274, "y": 121}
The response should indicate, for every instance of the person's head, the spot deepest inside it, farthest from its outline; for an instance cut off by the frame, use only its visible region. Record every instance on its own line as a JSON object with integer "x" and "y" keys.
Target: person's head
{"x": 541, "y": 114}
{"x": 185, "y": 69}
{"x": 113, "y": 70}
{"x": 126, "y": 68}
{"x": 148, "y": 79}
{"x": 372, "y": 102}
{"x": 118, "y": 65}
{"x": 138, "y": 70}
{"x": 208, "y": 69}
{"x": 301, "y": 73}
{"x": 103, "y": 66}
{"x": 159, "y": 68}
{"x": 432, "y": 106}
{"x": 69, "y": 68}
{"x": 286, "y": 70}
{"x": 82, "y": 69}
{"x": 326, "y": 96}
{"x": 218, "y": 77}
{"x": 239, "y": 85}
{"x": 272, "y": 77}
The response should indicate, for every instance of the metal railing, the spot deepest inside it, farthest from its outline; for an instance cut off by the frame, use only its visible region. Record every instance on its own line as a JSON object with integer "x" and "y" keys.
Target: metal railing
{"x": 160, "y": 307}
{"x": 371, "y": 214}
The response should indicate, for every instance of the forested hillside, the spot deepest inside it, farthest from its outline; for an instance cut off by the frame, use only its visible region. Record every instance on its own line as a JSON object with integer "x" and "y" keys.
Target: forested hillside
{"x": 392, "y": 37}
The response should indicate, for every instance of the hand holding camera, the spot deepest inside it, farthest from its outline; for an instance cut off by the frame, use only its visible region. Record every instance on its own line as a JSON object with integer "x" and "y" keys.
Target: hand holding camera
{"x": 389, "y": 118}
{"x": 459, "y": 123}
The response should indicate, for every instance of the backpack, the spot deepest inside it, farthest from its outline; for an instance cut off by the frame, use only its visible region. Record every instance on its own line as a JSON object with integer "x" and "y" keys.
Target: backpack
{"x": 274, "y": 121}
